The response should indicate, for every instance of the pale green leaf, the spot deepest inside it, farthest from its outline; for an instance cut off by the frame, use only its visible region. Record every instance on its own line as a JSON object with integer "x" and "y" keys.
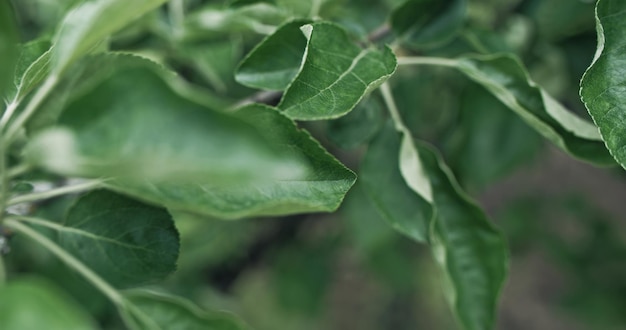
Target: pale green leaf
{"x": 507, "y": 80}
{"x": 335, "y": 74}
{"x": 33, "y": 66}
{"x": 8, "y": 46}
{"x": 126, "y": 242}
{"x": 320, "y": 187}
{"x": 424, "y": 23}
{"x": 33, "y": 304}
{"x": 127, "y": 123}
{"x": 90, "y": 23}
{"x": 151, "y": 310}
{"x": 276, "y": 60}
{"x": 602, "y": 87}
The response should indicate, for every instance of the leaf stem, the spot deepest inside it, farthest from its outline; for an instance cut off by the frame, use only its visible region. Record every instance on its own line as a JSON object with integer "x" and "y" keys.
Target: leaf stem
{"x": 393, "y": 108}
{"x": 69, "y": 260}
{"x": 11, "y": 107}
{"x": 177, "y": 17}
{"x": 418, "y": 60}
{"x": 31, "y": 107}
{"x": 34, "y": 197}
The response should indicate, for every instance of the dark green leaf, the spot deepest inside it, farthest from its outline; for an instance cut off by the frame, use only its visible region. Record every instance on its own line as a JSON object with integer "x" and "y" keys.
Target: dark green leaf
{"x": 602, "y": 87}
{"x": 152, "y": 310}
{"x": 129, "y": 124}
{"x": 335, "y": 74}
{"x": 276, "y": 61}
{"x": 8, "y": 46}
{"x": 90, "y": 23}
{"x": 357, "y": 127}
{"x": 424, "y": 23}
{"x": 32, "y": 304}
{"x": 507, "y": 80}
{"x": 399, "y": 205}
{"x": 126, "y": 242}
{"x": 321, "y": 186}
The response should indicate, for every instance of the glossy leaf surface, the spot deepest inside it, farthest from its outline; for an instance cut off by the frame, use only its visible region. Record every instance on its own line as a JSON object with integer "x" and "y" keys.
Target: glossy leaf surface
{"x": 126, "y": 242}
{"x": 335, "y": 75}
{"x": 31, "y": 304}
{"x": 602, "y": 87}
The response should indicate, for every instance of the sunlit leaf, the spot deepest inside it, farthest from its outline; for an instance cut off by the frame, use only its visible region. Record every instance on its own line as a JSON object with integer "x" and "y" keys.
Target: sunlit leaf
{"x": 335, "y": 75}
{"x": 602, "y": 87}
{"x": 126, "y": 242}
{"x": 31, "y": 304}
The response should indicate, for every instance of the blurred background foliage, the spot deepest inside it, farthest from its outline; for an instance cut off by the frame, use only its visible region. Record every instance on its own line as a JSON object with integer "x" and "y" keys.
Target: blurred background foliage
{"x": 349, "y": 270}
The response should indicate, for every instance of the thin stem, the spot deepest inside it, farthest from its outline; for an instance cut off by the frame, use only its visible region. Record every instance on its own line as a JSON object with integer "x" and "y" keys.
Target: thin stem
{"x": 177, "y": 16}
{"x": 392, "y": 107}
{"x": 34, "y": 197}
{"x": 418, "y": 60}
{"x": 69, "y": 260}
{"x": 31, "y": 107}
{"x": 315, "y": 8}
{"x": 6, "y": 116}
{"x": 18, "y": 170}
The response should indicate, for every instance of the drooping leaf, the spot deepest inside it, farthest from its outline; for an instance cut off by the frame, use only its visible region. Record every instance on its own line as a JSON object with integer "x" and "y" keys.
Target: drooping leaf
{"x": 159, "y": 311}
{"x": 320, "y": 187}
{"x": 404, "y": 209}
{"x": 470, "y": 250}
{"x": 602, "y": 86}
{"x": 127, "y": 123}
{"x": 276, "y": 61}
{"x": 507, "y": 80}
{"x": 31, "y": 303}
{"x": 33, "y": 66}
{"x": 88, "y": 24}
{"x": 424, "y": 23}
{"x": 126, "y": 242}
{"x": 335, "y": 74}
{"x": 8, "y": 46}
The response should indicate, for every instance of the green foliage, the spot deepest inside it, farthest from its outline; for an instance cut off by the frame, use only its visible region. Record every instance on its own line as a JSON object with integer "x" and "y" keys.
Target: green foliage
{"x": 127, "y": 122}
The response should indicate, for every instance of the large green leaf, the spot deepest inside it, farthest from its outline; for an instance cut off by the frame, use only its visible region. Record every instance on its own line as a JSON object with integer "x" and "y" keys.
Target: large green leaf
{"x": 8, "y": 46}
{"x": 90, "y": 23}
{"x": 276, "y": 60}
{"x": 32, "y": 304}
{"x": 507, "y": 80}
{"x": 126, "y": 242}
{"x": 152, "y": 310}
{"x": 470, "y": 250}
{"x": 403, "y": 208}
{"x": 321, "y": 186}
{"x": 129, "y": 124}
{"x": 602, "y": 86}
{"x": 423, "y": 23}
{"x": 335, "y": 74}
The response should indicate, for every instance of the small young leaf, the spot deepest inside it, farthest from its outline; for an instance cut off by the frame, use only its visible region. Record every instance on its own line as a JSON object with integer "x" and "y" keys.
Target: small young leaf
{"x": 424, "y": 23}
{"x": 159, "y": 311}
{"x": 602, "y": 86}
{"x": 126, "y": 242}
{"x": 90, "y": 23}
{"x": 33, "y": 66}
{"x": 404, "y": 209}
{"x": 320, "y": 187}
{"x": 8, "y": 46}
{"x": 507, "y": 80}
{"x": 31, "y": 303}
{"x": 276, "y": 61}
{"x": 335, "y": 75}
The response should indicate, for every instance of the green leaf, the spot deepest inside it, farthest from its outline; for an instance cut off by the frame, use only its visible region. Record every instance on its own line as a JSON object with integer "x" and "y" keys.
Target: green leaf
{"x": 151, "y": 310}
{"x": 404, "y": 209}
{"x": 358, "y": 126}
{"x": 602, "y": 85}
{"x": 8, "y": 46}
{"x": 126, "y": 242}
{"x": 276, "y": 60}
{"x": 320, "y": 187}
{"x": 505, "y": 77}
{"x": 33, "y": 304}
{"x": 426, "y": 23}
{"x": 90, "y": 23}
{"x": 137, "y": 128}
{"x": 33, "y": 66}
{"x": 471, "y": 251}
{"x": 335, "y": 75}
